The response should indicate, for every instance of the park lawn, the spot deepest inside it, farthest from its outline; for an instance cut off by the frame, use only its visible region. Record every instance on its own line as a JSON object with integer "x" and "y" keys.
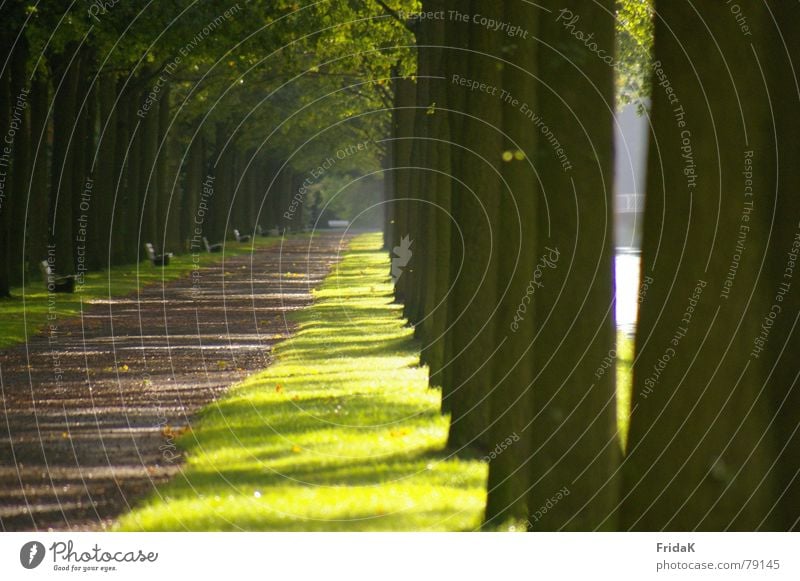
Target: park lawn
{"x": 625, "y": 345}
{"x": 26, "y": 313}
{"x": 340, "y": 434}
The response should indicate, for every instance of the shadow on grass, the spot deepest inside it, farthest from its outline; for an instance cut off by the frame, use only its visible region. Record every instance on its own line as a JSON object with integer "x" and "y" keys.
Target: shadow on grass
{"x": 341, "y": 434}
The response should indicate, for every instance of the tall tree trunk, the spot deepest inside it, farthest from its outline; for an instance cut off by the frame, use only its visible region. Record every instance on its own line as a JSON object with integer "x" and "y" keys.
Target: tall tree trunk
{"x": 715, "y": 393}
{"x": 121, "y": 207}
{"x": 149, "y": 169}
{"x": 5, "y": 172}
{"x": 457, "y": 41}
{"x": 404, "y": 101}
{"x": 575, "y": 448}
{"x": 436, "y": 250}
{"x": 513, "y": 369}
{"x": 476, "y": 214}
{"x": 191, "y": 228}
{"x": 21, "y": 165}
{"x": 106, "y": 183}
{"x": 65, "y": 68}
{"x": 82, "y": 184}
{"x": 784, "y": 393}
{"x": 36, "y": 243}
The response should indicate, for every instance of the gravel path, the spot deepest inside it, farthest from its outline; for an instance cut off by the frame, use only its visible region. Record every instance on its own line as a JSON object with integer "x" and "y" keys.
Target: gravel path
{"x": 91, "y": 409}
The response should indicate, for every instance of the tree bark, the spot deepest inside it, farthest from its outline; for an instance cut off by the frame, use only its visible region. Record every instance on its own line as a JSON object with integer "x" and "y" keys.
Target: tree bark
{"x": 65, "y": 68}
{"x": 575, "y": 447}
{"x": 476, "y": 213}
{"x": 700, "y": 449}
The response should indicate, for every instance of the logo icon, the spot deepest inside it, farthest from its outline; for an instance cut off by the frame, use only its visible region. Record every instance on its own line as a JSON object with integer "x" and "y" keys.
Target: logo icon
{"x": 31, "y": 554}
{"x": 402, "y": 254}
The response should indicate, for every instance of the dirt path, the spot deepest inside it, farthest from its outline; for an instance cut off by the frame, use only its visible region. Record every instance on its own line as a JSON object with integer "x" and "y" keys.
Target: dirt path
{"x": 90, "y": 411}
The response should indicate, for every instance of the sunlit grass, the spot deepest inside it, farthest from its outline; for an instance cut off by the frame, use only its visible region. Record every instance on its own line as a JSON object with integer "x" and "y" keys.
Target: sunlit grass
{"x": 624, "y": 385}
{"x": 341, "y": 433}
{"x": 26, "y": 313}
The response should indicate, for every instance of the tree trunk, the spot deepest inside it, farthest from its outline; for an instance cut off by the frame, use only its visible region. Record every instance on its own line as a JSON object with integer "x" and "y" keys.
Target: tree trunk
{"x": 36, "y": 243}
{"x": 575, "y": 448}
{"x": 713, "y": 443}
{"x": 476, "y": 212}
{"x": 513, "y": 369}
{"x": 436, "y": 249}
{"x": 106, "y": 184}
{"x": 404, "y": 95}
{"x": 122, "y": 209}
{"x": 5, "y": 174}
{"x": 65, "y": 68}
{"x": 21, "y": 164}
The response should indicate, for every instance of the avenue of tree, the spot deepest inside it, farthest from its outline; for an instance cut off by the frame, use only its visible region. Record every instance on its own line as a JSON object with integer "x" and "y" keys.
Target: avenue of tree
{"x": 492, "y": 126}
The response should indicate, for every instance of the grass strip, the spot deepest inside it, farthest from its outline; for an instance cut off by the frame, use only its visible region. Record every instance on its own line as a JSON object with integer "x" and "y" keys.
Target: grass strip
{"x": 27, "y": 311}
{"x": 340, "y": 434}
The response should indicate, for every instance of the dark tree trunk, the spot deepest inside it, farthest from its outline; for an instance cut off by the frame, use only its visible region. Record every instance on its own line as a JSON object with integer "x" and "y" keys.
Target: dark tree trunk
{"x": 513, "y": 369}
{"x": 436, "y": 249}
{"x": 404, "y": 100}
{"x": 5, "y": 173}
{"x": 476, "y": 213}
{"x": 36, "y": 243}
{"x": 21, "y": 160}
{"x": 575, "y": 448}
{"x": 65, "y": 69}
{"x": 106, "y": 183}
{"x": 713, "y": 434}
{"x": 122, "y": 208}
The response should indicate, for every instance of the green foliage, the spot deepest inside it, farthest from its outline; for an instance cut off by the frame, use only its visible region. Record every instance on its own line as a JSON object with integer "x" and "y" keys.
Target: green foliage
{"x": 634, "y": 50}
{"x": 342, "y": 433}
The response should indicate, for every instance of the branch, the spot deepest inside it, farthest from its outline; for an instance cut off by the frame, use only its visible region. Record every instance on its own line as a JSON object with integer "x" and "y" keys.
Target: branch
{"x": 394, "y": 14}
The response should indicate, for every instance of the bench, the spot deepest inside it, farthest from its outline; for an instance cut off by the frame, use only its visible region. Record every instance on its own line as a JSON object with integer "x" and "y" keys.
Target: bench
{"x": 212, "y": 247}
{"x": 157, "y": 259}
{"x": 239, "y": 237}
{"x": 271, "y": 232}
{"x": 55, "y": 283}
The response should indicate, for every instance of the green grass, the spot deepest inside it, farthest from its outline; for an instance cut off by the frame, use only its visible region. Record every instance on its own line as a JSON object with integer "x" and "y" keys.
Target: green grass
{"x": 624, "y": 385}
{"x": 341, "y": 433}
{"x": 27, "y": 312}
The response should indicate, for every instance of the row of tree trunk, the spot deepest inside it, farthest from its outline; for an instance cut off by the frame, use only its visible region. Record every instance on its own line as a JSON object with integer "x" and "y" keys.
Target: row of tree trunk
{"x": 89, "y": 175}
{"x": 500, "y": 192}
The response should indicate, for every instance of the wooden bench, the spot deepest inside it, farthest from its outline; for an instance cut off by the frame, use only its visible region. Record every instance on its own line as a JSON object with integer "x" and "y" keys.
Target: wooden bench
{"x": 157, "y": 259}
{"x": 212, "y": 247}
{"x": 55, "y": 283}
{"x": 239, "y": 237}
